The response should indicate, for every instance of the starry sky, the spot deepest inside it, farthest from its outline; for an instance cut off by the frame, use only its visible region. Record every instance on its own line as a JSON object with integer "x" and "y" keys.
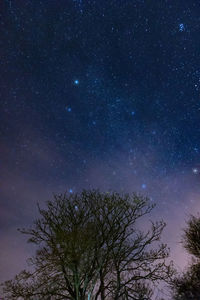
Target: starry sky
{"x": 98, "y": 94}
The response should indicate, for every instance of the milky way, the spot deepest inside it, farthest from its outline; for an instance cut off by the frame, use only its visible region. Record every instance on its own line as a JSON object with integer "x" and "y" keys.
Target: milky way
{"x": 98, "y": 94}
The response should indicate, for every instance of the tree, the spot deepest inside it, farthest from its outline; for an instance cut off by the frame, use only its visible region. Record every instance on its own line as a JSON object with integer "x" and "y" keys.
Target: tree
{"x": 90, "y": 248}
{"x": 187, "y": 285}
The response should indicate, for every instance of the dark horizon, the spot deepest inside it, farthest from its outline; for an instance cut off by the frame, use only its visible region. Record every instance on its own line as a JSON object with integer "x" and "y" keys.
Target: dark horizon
{"x": 98, "y": 94}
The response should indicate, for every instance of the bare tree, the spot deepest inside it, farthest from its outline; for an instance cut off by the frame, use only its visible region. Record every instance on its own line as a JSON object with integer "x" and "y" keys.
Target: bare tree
{"x": 90, "y": 248}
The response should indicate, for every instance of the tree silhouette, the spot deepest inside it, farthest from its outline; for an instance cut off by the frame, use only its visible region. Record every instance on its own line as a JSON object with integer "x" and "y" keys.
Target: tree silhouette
{"x": 89, "y": 247}
{"x": 187, "y": 285}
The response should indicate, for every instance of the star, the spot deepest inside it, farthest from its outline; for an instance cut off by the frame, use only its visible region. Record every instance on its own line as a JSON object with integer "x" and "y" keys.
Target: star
{"x": 76, "y": 82}
{"x": 144, "y": 186}
{"x": 195, "y": 171}
{"x": 181, "y": 27}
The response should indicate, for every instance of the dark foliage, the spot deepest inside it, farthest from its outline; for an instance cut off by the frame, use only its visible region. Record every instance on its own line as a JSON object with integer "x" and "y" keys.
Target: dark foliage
{"x": 187, "y": 285}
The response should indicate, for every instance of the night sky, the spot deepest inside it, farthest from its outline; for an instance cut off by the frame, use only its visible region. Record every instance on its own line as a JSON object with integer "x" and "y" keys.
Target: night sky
{"x": 98, "y": 94}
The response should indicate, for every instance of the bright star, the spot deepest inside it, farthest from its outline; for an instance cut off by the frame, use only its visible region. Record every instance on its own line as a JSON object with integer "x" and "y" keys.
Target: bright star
{"x": 68, "y": 109}
{"x": 76, "y": 82}
{"x": 144, "y": 186}
{"x": 181, "y": 27}
{"x": 195, "y": 170}
{"x": 70, "y": 191}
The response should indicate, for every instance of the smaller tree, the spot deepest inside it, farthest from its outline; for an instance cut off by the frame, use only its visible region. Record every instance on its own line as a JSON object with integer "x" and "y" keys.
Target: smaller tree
{"x": 187, "y": 285}
{"x": 191, "y": 237}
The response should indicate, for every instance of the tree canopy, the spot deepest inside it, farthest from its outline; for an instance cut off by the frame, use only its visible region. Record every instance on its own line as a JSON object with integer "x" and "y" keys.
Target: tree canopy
{"x": 90, "y": 247}
{"x": 186, "y": 286}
